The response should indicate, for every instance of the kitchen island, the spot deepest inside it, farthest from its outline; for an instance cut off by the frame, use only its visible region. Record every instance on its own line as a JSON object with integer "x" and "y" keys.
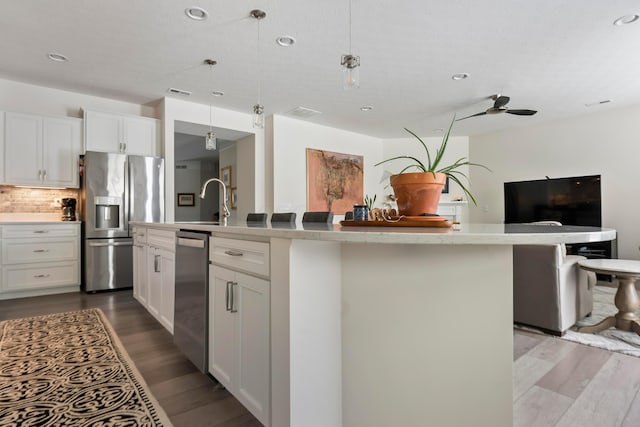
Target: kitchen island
{"x": 409, "y": 327}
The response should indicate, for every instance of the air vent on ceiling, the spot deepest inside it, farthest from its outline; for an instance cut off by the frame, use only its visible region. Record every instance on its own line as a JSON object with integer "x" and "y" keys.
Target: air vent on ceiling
{"x": 179, "y": 91}
{"x": 303, "y": 112}
{"x": 181, "y": 166}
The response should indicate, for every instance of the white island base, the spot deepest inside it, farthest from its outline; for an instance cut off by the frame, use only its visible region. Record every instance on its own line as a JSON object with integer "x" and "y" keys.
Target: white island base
{"x": 381, "y": 335}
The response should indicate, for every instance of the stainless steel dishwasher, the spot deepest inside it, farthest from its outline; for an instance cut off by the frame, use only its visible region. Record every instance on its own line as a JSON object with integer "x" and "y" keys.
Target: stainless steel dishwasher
{"x": 190, "y": 322}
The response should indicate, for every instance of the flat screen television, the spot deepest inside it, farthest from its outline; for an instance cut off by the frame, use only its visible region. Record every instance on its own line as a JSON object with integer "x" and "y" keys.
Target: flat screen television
{"x": 571, "y": 201}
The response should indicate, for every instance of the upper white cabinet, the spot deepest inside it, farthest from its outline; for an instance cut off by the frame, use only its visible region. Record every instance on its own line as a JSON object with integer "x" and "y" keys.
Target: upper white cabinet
{"x": 119, "y": 133}
{"x": 41, "y": 151}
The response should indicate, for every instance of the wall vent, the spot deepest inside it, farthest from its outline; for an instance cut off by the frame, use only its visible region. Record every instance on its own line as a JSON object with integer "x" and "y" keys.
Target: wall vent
{"x": 179, "y": 91}
{"x": 181, "y": 166}
{"x": 303, "y": 112}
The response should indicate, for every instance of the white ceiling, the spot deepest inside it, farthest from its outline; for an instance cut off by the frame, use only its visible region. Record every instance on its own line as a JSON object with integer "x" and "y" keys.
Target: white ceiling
{"x": 551, "y": 56}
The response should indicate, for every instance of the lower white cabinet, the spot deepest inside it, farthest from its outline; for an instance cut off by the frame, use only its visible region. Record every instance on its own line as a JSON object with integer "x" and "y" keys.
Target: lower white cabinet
{"x": 39, "y": 259}
{"x": 239, "y": 334}
{"x": 154, "y": 272}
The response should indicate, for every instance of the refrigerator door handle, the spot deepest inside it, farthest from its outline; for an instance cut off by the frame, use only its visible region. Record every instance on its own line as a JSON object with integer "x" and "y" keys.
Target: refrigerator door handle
{"x": 95, "y": 244}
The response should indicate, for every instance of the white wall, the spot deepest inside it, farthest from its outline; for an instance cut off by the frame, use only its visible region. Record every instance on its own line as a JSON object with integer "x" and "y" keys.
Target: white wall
{"x": 291, "y": 138}
{"x": 26, "y": 98}
{"x": 188, "y": 181}
{"x": 600, "y": 143}
{"x": 175, "y": 109}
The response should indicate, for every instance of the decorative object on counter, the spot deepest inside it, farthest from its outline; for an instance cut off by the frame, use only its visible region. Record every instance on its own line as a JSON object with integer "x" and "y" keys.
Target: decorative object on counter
{"x": 402, "y": 221}
{"x": 376, "y": 214}
{"x": 419, "y": 192}
{"x": 77, "y": 361}
{"x": 370, "y": 202}
{"x": 360, "y": 213}
{"x": 186, "y": 199}
{"x": 335, "y": 181}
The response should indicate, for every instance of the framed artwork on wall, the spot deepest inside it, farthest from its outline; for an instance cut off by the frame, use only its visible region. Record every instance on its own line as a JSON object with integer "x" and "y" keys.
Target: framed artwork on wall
{"x": 335, "y": 181}
{"x": 186, "y": 199}
{"x": 225, "y": 176}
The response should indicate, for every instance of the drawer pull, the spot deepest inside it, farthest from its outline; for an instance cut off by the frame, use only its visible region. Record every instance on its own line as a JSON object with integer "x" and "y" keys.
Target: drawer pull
{"x": 41, "y": 231}
{"x": 41, "y": 250}
{"x": 39, "y": 276}
{"x": 233, "y": 253}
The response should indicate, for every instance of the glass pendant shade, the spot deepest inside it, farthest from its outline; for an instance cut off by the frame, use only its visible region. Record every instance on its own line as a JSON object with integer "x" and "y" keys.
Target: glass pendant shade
{"x": 210, "y": 141}
{"x": 350, "y": 72}
{"x": 258, "y": 116}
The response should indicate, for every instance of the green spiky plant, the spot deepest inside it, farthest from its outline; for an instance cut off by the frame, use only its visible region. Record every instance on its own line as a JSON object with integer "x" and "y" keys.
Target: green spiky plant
{"x": 433, "y": 164}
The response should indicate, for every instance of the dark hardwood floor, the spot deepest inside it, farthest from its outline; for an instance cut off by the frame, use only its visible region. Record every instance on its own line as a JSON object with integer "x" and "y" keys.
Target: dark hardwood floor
{"x": 191, "y": 399}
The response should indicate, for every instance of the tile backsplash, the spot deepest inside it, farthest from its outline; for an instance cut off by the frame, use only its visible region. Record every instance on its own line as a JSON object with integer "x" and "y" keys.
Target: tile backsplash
{"x": 32, "y": 200}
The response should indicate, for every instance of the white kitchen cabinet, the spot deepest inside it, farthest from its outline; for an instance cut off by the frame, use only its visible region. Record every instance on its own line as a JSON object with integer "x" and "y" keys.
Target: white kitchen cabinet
{"x": 41, "y": 151}
{"x": 154, "y": 272}
{"x": 39, "y": 259}
{"x": 140, "y": 280}
{"x": 119, "y": 133}
{"x": 239, "y": 318}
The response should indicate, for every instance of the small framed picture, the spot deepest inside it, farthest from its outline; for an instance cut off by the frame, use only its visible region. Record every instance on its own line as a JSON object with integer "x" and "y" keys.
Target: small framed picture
{"x": 186, "y": 199}
{"x": 225, "y": 176}
{"x": 233, "y": 203}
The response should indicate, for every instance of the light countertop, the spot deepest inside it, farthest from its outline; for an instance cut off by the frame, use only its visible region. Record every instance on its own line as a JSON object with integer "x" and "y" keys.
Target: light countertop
{"x": 465, "y": 234}
{"x": 8, "y": 218}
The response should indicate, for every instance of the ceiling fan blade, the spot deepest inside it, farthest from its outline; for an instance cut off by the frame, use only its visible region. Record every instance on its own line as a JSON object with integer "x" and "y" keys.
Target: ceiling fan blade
{"x": 501, "y": 101}
{"x": 522, "y": 112}
{"x": 473, "y": 115}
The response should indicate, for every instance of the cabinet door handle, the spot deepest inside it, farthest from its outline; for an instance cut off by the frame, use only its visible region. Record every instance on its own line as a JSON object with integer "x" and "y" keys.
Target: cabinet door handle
{"x": 41, "y": 250}
{"x": 233, "y": 253}
{"x": 41, "y": 231}
{"x": 125, "y": 147}
{"x": 233, "y": 300}
{"x": 44, "y": 174}
{"x": 156, "y": 263}
{"x": 39, "y": 276}
{"x": 226, "y": 296}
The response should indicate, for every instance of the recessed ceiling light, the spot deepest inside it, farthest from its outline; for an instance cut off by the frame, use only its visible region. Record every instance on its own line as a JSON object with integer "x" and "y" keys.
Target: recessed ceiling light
{"x": 627, "y": 19}
{"x": 460, "y": 76}
{"x": 57, "y": 57}
{"x": 591, "y": 104}
{"x": 196, "y": 13}
{"x": 179, "y": 91}
{"x": 285, "y": 41}
{"x": 366, "y": 108}
{"x": 217, "y": 93}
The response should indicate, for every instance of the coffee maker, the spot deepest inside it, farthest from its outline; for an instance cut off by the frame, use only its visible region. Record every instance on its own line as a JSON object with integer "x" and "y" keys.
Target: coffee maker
{"x": 68, "y": 209}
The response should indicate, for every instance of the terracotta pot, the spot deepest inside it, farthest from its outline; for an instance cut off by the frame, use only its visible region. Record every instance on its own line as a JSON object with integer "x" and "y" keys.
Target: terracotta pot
{"x": 418, "y": 192}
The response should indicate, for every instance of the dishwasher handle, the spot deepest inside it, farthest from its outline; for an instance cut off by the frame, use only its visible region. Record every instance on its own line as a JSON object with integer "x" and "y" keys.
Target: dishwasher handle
{"x": 192, "y": 243}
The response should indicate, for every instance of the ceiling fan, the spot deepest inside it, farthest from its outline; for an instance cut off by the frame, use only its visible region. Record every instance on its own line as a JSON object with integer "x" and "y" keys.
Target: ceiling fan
{"x": 499, "y": 106}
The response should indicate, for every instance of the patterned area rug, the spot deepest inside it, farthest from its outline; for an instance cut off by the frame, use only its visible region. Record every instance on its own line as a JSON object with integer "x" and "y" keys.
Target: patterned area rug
{"x": 611, "y": 339}
{"x": 70, "y": 369}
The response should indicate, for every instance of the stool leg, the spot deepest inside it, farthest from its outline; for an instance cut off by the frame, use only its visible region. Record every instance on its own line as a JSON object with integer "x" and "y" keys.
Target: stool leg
{"x": 628, "y": 303}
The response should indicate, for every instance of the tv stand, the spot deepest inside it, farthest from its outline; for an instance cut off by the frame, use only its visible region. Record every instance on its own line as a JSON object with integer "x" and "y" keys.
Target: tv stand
{"x": 595, "y": 250}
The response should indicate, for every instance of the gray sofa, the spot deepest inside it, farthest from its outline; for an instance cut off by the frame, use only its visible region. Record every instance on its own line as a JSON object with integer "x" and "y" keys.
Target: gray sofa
{"x": 550, "y": 291}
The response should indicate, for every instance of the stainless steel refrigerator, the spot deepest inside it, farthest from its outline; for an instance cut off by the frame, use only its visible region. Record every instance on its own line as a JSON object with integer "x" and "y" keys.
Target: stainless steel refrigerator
{"x": 116, "y": 189}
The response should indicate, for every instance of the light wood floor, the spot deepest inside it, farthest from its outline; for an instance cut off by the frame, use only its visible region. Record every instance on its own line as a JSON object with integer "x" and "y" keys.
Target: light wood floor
{"x": 191, "y": 399}
{"x": 556, "y": 382}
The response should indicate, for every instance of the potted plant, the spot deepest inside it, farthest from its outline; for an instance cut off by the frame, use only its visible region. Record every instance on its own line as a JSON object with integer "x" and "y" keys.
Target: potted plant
{"x": 418, "y": 193}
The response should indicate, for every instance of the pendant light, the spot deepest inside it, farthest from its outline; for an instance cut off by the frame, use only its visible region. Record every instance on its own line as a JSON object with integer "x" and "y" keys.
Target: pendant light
{"x": 350, "y": 64}
{"x": 210, "y": 140}
{"x": 258, "y": 108}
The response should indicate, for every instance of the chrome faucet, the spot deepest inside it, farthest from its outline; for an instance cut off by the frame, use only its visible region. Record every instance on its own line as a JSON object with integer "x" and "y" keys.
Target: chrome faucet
{"x": 225, "y": 210}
